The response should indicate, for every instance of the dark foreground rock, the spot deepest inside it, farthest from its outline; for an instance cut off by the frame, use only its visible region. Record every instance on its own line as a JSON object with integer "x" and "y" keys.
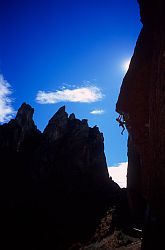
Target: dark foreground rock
{"x": 110, "y": 236}
{"x": 54, "y": 186}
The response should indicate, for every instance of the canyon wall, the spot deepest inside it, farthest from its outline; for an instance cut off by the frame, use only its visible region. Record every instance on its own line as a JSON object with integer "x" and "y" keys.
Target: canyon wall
{"x": 142, "y": 103}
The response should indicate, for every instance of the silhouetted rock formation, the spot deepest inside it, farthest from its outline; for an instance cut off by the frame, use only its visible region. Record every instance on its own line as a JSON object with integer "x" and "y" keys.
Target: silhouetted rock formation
{"x": 141, "y": 101}
{"x": 54, "y": 185}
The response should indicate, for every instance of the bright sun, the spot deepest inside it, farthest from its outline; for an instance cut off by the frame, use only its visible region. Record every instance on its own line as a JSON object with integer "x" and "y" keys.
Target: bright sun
{"x": 126, "y": 65}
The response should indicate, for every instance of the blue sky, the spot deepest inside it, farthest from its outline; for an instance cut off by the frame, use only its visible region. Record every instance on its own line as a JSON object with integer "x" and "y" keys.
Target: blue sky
{"x": 68, "y": 52}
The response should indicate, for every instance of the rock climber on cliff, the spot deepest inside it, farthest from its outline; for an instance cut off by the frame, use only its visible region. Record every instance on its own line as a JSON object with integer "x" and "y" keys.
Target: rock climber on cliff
{"x": 121, "y": 122}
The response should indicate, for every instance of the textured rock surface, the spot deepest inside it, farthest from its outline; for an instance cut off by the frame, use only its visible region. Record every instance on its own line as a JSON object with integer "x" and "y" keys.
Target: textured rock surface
{"x": 54, "y": 186}
{"x": 141, "y": 100}
{"x": 57, "y": 126}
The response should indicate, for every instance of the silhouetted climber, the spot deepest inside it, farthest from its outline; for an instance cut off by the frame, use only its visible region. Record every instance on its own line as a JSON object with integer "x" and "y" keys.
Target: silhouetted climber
{"x": 121, "y": 122}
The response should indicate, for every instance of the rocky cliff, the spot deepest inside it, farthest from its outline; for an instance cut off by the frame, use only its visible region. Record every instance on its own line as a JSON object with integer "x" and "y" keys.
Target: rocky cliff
{"x": 54, "y": 185}
{"x": 141, "y": 101}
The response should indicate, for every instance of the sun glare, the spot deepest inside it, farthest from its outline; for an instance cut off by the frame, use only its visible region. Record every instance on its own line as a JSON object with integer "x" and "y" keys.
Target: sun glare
{"x": 126, "y": 65}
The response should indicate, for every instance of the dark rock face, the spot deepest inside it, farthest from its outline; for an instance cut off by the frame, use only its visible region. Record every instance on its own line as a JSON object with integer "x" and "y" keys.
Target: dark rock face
{"x": 24, "y": 117}
{"x": 57, "y": 126}
{"x": 141, "y": 100}
{"x": 54, "y": 185}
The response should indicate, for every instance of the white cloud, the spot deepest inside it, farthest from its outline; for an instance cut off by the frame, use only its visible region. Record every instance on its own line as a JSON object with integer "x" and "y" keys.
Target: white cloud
{"x": 82, "y": 95}
{"x": 6, "y": 109}
{"x": 119, "y": 173}
{"x": 97, "y": 112}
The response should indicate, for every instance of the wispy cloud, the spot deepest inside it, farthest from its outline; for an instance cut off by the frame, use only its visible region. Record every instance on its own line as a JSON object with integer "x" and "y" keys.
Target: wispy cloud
{"x": 97, "y": 112}
{"x": 6, "y": 109}
{"x": 119, "y": 173}
{"x": 87, "y": 94}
